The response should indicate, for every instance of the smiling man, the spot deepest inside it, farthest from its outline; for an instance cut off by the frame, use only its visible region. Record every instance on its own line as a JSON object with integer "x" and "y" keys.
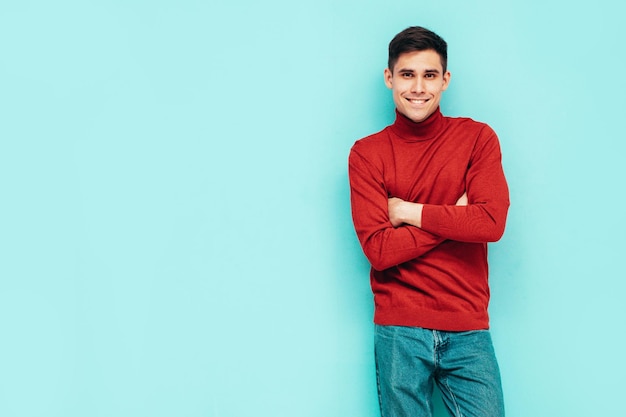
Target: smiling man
{"x": 428, "y": 193}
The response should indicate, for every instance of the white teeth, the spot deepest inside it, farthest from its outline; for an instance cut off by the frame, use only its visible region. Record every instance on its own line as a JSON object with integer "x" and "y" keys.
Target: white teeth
{"x": 418, "y": 101}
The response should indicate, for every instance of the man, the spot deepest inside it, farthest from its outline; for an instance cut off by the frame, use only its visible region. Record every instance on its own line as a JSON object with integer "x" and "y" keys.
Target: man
{"x": 428, "y": 192}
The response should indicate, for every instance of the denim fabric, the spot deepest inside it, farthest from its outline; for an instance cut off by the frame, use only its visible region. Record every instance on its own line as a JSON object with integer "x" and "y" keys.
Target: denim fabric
{"x": 409, "y": 360}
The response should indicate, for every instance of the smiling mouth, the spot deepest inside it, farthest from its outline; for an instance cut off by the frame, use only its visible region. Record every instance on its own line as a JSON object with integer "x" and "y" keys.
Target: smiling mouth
{"x": 417, "y": 100}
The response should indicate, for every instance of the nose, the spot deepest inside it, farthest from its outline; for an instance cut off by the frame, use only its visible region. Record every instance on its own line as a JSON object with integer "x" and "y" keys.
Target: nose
{"x": 418, "y": 85}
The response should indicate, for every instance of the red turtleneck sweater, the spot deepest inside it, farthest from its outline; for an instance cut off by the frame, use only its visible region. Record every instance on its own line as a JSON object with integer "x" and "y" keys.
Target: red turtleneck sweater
{"x": 436, "y": 276}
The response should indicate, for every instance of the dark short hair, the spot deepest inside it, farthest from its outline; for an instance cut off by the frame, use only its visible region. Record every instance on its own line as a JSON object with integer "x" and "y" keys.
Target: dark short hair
{"x": 417, "y": 38}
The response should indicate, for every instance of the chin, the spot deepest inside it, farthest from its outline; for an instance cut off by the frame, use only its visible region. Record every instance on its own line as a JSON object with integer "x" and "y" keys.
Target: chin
{"x": 418, "y": 118}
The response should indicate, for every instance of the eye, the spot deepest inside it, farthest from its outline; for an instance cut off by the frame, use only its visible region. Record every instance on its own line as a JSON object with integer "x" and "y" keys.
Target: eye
{"x": 407, "y": 75}
{"x": 430, "y": 75}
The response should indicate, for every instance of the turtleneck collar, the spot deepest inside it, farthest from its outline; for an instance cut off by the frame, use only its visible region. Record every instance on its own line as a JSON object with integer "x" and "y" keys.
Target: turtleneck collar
{"x": 411, "y": 131}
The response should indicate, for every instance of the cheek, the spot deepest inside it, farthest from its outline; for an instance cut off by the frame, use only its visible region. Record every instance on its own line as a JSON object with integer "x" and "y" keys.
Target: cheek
{"x": 399, "y": 89}
{"x": 437, "y": 93}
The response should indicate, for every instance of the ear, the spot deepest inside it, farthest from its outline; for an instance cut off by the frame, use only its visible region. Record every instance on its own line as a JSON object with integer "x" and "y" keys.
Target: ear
{"x": 446, "y": 80}
{"x": 388, "y": 77}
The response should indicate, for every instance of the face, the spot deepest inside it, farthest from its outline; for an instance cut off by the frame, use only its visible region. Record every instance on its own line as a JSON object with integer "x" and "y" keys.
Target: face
{"x": 416, "y": 83}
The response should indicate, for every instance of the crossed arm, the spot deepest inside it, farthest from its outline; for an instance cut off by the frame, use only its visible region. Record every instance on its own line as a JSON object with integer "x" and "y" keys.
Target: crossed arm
{"x": 404, "y": 212}
{"x": 392, "y": 231}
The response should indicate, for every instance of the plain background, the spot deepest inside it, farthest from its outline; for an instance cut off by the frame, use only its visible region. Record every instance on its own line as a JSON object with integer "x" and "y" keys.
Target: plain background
{"x": 175, "y": 231}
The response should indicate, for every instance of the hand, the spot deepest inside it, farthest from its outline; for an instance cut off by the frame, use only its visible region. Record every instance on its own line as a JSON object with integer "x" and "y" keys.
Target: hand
{"x": 404, "y": 212}
{"x": 394, "y": 204}
{"x": 462, "y": 201}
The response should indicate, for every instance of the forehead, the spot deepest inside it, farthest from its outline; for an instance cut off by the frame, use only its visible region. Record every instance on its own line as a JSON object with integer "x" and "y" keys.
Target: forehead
{"x": 419, "y": 61}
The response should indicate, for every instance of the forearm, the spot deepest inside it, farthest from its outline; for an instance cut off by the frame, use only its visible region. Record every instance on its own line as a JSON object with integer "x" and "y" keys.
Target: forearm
{"x": 406, "y": 212}
{"x": 389, "y": 246}
{"x": 484, "y": 222}
{"x": 464, "y": 223}
{"x": 461, "y": 222}
{"x": 385, "y": 243}
{"x": 483, "y": 219}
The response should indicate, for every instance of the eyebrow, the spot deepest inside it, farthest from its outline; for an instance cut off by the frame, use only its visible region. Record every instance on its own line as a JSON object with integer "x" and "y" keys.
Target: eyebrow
{"x": 427, "y": 71}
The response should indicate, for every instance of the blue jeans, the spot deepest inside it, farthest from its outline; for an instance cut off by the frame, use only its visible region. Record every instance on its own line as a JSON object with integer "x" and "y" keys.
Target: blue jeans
{"x": 462, "y": 364}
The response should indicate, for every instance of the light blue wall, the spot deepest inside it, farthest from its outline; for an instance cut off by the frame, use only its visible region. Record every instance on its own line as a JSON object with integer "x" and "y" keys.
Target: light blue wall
{"x": 175, "y": 234}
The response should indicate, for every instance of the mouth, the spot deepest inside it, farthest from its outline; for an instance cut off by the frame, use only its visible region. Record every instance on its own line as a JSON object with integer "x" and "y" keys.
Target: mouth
{"x": 417, "y": 101}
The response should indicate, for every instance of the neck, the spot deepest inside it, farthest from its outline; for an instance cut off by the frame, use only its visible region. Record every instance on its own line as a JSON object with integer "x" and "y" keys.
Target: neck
{"x": 414, "y": 131}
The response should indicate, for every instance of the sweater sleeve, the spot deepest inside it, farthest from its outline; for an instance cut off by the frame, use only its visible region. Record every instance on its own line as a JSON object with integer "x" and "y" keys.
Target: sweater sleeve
{"x": 484, "y": 218}
{"x": 383, "y": 245}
